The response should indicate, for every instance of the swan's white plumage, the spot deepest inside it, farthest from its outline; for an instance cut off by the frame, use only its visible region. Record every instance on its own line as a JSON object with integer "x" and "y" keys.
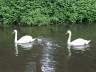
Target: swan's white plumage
{"x": 80, "y": 41}
{"x": 24, "y": 39}
{"x": 76, "y": 42}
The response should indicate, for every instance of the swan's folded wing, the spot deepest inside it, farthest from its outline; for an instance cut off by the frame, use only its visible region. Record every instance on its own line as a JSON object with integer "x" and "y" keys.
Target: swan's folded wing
{"x": 79, "y": 41}
{"x": 25, "y": 39}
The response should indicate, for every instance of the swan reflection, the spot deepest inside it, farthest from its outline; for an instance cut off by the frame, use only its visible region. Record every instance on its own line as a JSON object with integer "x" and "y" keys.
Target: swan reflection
{"x": 16, "y": 49}
{"x": 81, "y": 48}
{"x": 25, "y": 46}
{"x": 69, "y": 50}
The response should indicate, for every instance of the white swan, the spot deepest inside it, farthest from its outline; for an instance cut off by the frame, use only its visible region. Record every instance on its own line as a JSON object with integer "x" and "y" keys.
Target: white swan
{"x": 77, "y": 42}
{"x": 26, "y": 46}
{"x": 24, "y": 39}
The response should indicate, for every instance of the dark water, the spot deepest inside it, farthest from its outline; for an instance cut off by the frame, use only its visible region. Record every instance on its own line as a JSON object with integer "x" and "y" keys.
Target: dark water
{"x": 49, "y": 53}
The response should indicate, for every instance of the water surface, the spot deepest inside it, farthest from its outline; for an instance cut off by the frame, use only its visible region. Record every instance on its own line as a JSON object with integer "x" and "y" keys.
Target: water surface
{"x": 49, "y": 53}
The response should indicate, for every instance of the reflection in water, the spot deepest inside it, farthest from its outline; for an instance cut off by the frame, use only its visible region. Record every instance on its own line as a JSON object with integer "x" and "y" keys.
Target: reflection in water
{"x": 44, "y": 55}
{"x": 69, "y": 50}
{"x": 81, "y": 48}
{"x": 25, "y": 46}
{"x": 47, "y": 60}
{"x": 16, "y": 50}
{"x": 45, "y": 42}
{"x": 31, "y": 67}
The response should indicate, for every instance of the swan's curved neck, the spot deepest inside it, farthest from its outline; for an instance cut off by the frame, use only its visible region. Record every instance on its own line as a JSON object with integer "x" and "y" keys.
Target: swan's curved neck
{"x": 16, "y": 37}
{"x": 69, "y": 38}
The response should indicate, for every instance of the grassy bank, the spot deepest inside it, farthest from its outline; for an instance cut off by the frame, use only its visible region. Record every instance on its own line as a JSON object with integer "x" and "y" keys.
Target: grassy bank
{"x": 44, "y": 12}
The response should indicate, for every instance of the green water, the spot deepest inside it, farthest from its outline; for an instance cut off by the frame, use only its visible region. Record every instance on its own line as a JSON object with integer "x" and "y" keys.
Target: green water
{"x": 49, "y": 53}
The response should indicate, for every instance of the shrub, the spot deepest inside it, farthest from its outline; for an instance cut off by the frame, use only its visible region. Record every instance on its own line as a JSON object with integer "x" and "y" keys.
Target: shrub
{"x": 44, "y": 12}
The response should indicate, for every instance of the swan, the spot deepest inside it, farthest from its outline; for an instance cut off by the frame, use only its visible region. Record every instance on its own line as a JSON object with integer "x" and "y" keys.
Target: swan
{"x": 26, "y": 45}
{"x": 24, "y": 39}
{"x": 76, "y": 42}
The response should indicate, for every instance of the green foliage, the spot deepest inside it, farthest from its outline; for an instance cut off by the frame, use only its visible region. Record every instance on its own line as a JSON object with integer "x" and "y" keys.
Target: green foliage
{"x": 44, "y": 12}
